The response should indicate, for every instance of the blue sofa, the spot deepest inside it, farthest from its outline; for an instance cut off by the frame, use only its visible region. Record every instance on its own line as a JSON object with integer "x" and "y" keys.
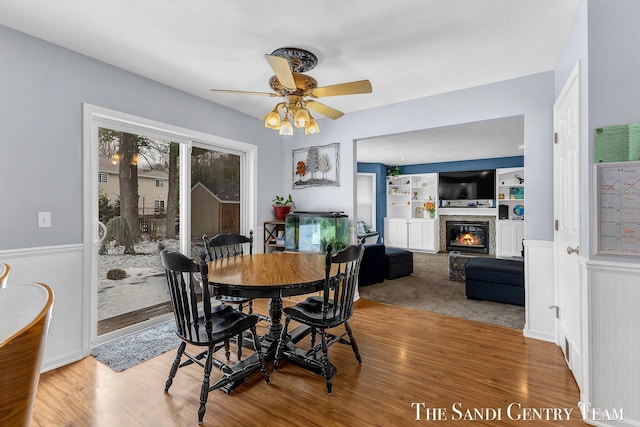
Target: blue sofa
{"x": 495, "y": 279}
{"x": 372, "y": 265}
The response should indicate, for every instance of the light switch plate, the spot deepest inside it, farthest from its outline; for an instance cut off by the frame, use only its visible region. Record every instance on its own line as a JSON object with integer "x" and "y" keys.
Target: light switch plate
{"x": 44, "y": 219}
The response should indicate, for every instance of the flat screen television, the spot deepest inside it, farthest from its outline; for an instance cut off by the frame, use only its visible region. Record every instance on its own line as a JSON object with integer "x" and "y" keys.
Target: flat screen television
{"x": 467, "y": 185}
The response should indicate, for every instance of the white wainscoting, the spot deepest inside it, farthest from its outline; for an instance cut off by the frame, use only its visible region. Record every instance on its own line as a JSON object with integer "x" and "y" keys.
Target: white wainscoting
{"x": 614, "y": 338}
{"x": 60, "y": 267}
{"x": 540, "y": 322}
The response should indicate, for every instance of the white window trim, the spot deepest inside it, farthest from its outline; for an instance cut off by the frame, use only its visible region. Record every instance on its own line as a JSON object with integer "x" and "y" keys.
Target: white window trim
{"x": 95, "y": 117}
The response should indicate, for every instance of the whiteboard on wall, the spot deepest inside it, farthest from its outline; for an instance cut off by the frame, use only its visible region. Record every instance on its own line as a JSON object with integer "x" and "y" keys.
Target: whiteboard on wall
{"x": 618, "y": 208}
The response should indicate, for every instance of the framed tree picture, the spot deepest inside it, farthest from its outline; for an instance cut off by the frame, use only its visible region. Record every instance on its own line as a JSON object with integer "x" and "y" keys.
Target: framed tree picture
{"x": 316, "y": 166}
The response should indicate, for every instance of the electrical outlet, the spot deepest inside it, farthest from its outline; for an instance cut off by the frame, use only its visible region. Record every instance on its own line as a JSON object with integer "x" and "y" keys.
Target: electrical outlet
{"x": 44, "y": 219}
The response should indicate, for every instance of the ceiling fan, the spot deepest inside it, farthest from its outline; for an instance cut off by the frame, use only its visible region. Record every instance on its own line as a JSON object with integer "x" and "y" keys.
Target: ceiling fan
{"x": 299, "y": 91}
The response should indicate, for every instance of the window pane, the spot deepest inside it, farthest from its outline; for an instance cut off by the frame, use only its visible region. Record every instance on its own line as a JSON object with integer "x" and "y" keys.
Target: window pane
{"x": 215, "y": 193}
{"x": 136, "y": 212}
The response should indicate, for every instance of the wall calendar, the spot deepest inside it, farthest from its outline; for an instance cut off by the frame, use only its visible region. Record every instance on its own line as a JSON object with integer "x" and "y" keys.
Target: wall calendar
{"x": 618, "y": 207}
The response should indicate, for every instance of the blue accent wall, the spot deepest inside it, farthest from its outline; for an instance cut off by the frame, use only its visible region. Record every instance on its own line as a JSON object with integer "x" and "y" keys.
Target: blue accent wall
{"x": 466, "y": 165}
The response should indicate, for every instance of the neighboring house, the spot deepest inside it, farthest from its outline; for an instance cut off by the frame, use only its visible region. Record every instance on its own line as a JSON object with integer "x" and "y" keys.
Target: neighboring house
{"x": 152, "y": 187}
{"x": 214, "y": 209}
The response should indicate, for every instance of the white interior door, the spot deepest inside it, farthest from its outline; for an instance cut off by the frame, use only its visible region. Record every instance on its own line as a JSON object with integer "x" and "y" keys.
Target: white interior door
{"x": 566, "y": 113}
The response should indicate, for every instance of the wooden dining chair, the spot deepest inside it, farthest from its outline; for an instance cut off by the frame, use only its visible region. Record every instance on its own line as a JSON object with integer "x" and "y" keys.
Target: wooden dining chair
{"x": 202, "y": 324}
{"x": 321, "y": 313}
{"x": 230, "y": 245}
{"x": 225, "y": 246}
{"x": 4, "y": 274}
{"x": 25, "y": 310}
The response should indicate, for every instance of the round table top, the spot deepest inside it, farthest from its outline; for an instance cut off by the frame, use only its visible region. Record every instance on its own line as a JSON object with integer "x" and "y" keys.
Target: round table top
{"x": 266, "y": 273}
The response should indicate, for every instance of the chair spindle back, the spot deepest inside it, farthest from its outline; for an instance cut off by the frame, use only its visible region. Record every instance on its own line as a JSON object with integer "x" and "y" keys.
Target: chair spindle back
{"x": 184, "y": 291}
{"x": 227, "y": 245}
{"x": 340, "y": 288}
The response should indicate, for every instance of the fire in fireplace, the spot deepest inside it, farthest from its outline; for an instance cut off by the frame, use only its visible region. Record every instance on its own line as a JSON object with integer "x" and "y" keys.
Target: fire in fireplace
{"x": 468, "y": 236}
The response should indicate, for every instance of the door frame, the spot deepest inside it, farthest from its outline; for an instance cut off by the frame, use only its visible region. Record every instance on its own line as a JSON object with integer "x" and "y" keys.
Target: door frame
{"x": 95, "y": 117}
{"x": 374, "y": 202}
{"x": 581, "y": 372}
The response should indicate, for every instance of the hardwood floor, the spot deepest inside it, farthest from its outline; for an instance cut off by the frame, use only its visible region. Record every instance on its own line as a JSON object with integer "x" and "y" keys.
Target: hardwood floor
{"x": 408, "y": 356}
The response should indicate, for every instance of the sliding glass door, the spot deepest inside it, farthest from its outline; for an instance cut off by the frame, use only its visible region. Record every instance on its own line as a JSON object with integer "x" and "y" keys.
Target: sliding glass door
{"x": 138, "y": 179}
{"x": 149, "y": 187}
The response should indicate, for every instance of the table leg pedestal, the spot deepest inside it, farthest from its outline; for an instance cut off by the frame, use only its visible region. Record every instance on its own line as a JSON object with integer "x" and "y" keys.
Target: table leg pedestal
{"x": 300, "y": 358}
{"x": 270, "y": 339}
{"x": 241, "y": 372}
{"x": 269, "y": 345}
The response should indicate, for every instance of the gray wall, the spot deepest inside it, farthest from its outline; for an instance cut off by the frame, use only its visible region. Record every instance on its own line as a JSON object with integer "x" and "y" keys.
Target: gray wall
{"x": 605, "y": 39}
{"x": 614, "y": 72}
{"x": 43, "y": 88}
{"x": 41, "y": 163}
{"x": 530, "y": 96}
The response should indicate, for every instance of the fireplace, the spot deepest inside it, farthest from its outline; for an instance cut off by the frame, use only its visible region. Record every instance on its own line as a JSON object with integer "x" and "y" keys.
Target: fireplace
{"x": 468, "y": 236}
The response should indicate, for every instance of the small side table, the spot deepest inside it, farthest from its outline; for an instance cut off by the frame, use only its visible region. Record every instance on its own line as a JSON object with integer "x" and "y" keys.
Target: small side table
{"x": 271, "y": 229}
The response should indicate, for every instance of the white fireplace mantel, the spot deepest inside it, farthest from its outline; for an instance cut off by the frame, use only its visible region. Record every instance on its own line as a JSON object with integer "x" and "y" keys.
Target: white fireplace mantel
{"x": 468, "y": 211}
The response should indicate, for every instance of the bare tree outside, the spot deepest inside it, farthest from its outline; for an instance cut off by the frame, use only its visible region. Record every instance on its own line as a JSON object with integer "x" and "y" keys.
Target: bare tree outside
{"x": 138, "y": 189}
{"x": 172, "y": 191}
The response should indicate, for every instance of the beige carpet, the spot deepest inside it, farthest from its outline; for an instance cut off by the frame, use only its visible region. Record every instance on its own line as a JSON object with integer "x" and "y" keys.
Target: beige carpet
{"x": 430, "y": 289}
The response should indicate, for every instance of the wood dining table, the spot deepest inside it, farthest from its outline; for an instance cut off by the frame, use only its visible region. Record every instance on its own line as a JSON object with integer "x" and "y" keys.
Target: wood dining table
{"x": 272, "y": 275}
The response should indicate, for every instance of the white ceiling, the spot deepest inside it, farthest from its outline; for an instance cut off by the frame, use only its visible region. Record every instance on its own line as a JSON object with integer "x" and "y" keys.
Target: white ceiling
{"x": 485, "y": 139}
{"x": 408, "y": 49}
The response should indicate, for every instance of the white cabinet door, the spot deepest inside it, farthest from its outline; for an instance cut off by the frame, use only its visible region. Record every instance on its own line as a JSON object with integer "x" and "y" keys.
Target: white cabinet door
{"x": 416, "y": 234}
{"x": 431, "y": 239}
{"x": 509, "y": 235}
{"x": 395, "y": 233}
{"x": 423, "y": 235}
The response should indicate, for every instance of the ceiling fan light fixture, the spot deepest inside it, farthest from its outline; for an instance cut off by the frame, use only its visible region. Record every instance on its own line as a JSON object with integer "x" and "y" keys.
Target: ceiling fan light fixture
{"x": 301, "y": 119}
{"x": 272, "y": 121}
{"x": 285, "y": 128}
{"x": 313, "y": 127}
{"x": 289, "y": 82}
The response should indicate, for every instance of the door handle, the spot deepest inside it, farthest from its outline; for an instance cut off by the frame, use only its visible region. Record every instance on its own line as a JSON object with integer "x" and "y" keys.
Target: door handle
{"x": 575, "y": 250}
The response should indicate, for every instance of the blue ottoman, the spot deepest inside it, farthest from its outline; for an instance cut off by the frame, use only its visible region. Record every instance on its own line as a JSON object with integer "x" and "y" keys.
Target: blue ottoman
{"x": 494, "y": 279}
{"x": 397, "y": 263}
{"x": 372, "y": 265}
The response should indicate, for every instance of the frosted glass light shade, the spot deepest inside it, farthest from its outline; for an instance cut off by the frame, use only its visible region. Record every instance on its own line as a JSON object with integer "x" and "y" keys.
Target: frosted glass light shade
{"x": 286, "y": 128}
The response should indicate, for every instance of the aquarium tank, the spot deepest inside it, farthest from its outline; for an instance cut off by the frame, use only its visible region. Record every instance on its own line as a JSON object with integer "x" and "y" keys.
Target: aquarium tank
{"x": 313, "y": 231}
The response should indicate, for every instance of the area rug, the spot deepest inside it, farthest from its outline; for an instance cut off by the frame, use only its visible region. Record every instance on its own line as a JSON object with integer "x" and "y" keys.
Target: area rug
{"x": 430, "y": 289}
{"x": 128, "y": 351}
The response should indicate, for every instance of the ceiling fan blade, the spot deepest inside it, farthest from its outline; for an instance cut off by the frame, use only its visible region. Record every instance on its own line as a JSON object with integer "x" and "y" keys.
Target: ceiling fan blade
{"x": 244, "y": 92}
{"x": 351, "y": 88}
{"x": 280, "y": 67}
{"x": 325, "y": 110}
